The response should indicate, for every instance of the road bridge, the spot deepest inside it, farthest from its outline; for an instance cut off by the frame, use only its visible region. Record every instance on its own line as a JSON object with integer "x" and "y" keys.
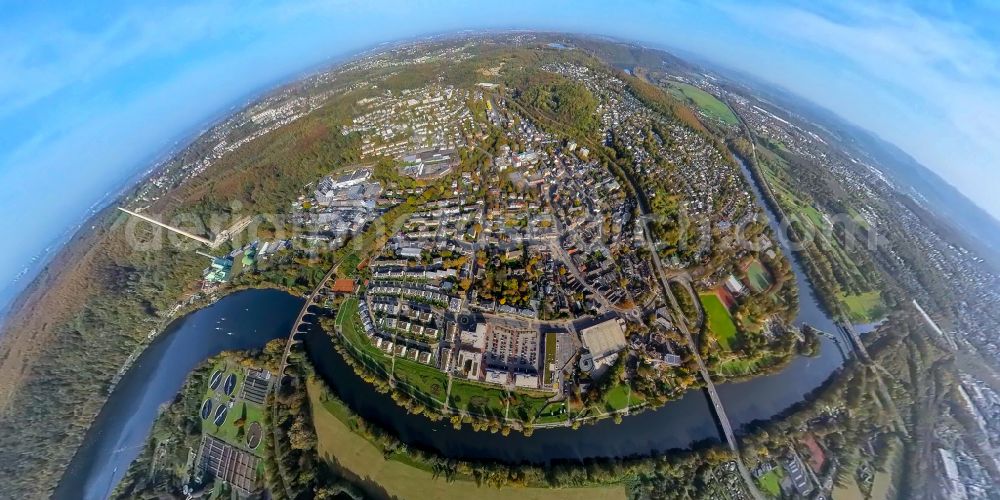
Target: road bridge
{"x": 681, "y": 322}
{"x": 846, "y": 326}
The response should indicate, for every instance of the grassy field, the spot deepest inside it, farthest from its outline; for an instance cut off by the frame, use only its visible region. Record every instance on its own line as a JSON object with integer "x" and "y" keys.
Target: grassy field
{"x": 550, "y": 357}
{"x": 770, "y": 482}
{"x": 861, "y": 308}
{"x": 422, "y": 381}
{"x": 757, "y": 276}
{"x": 552, "y": 412}
{"x": 353, "y": 331}
{"x": 398, "y": 477}
{"x": 864, "y": 307}
{"x": 705, "y": 101}
{"x": 738, "y": 367}
{"x": 719, "y": 321}
{"x": 526, "y": 406}
{"x": 478, "y": 398}
{"x": 347, "y": 318}
{"x": 617, "y": 398}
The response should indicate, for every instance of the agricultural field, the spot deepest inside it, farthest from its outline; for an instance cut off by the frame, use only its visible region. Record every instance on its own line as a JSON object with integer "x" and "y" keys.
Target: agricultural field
{"x": 720, "y": 323}
{"x": 400, "y": 476}
{"x": 704, "y": 101}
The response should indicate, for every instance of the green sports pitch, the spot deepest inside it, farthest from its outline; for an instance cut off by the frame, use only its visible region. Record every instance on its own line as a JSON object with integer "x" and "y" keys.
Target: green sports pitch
{"x": 719, "y": 321}
{"x": 758, "y": 277}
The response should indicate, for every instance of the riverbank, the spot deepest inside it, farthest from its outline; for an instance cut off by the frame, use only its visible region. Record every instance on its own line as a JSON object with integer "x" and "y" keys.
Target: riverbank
{"x": 191, "y": 304}
{"x": 244, "y": 320}
{"x": 424, "y": 390}
{"x": 688, "y": 418}
{"x": 805, "y": 230}
{"x": 368, "y": 454}
{"x": 401, "y": 476}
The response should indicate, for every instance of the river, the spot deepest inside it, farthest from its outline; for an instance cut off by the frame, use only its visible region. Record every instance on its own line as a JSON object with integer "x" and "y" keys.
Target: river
{"x": 256, "y": 316}
{"x": 761, "y": 398}
{"x": 678, "y": 424}
{"x": 243, "y": 320}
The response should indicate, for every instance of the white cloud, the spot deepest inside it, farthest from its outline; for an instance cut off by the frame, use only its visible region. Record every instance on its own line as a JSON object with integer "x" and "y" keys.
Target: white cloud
{"x": 61, "y": 54}
{"x": 937, "y": 75}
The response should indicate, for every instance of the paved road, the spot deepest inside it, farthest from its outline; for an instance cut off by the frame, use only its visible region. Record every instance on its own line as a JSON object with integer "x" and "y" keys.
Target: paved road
{"x": 859, "y": 346}
{"x": 681, "y": 321}
{"x": 663, "y": 278}
{"x": 556, "y": 247}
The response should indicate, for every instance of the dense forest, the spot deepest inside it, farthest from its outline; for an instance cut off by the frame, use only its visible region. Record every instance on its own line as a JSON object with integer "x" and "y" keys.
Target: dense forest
{"x": 100, "y": 299}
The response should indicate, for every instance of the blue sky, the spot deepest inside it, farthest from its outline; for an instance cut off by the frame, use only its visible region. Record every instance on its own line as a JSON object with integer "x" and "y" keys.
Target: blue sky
{"x": 88, "y": 93}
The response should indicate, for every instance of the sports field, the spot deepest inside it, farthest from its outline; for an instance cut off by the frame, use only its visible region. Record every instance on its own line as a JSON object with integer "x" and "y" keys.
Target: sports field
{"x": 719, "y": 321}
{"x": 757, "y": 276}
{"x": 705, "y": 101}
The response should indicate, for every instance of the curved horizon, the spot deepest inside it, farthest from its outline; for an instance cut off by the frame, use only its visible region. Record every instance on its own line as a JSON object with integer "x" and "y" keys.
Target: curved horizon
{"x": 93, "y": 97}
